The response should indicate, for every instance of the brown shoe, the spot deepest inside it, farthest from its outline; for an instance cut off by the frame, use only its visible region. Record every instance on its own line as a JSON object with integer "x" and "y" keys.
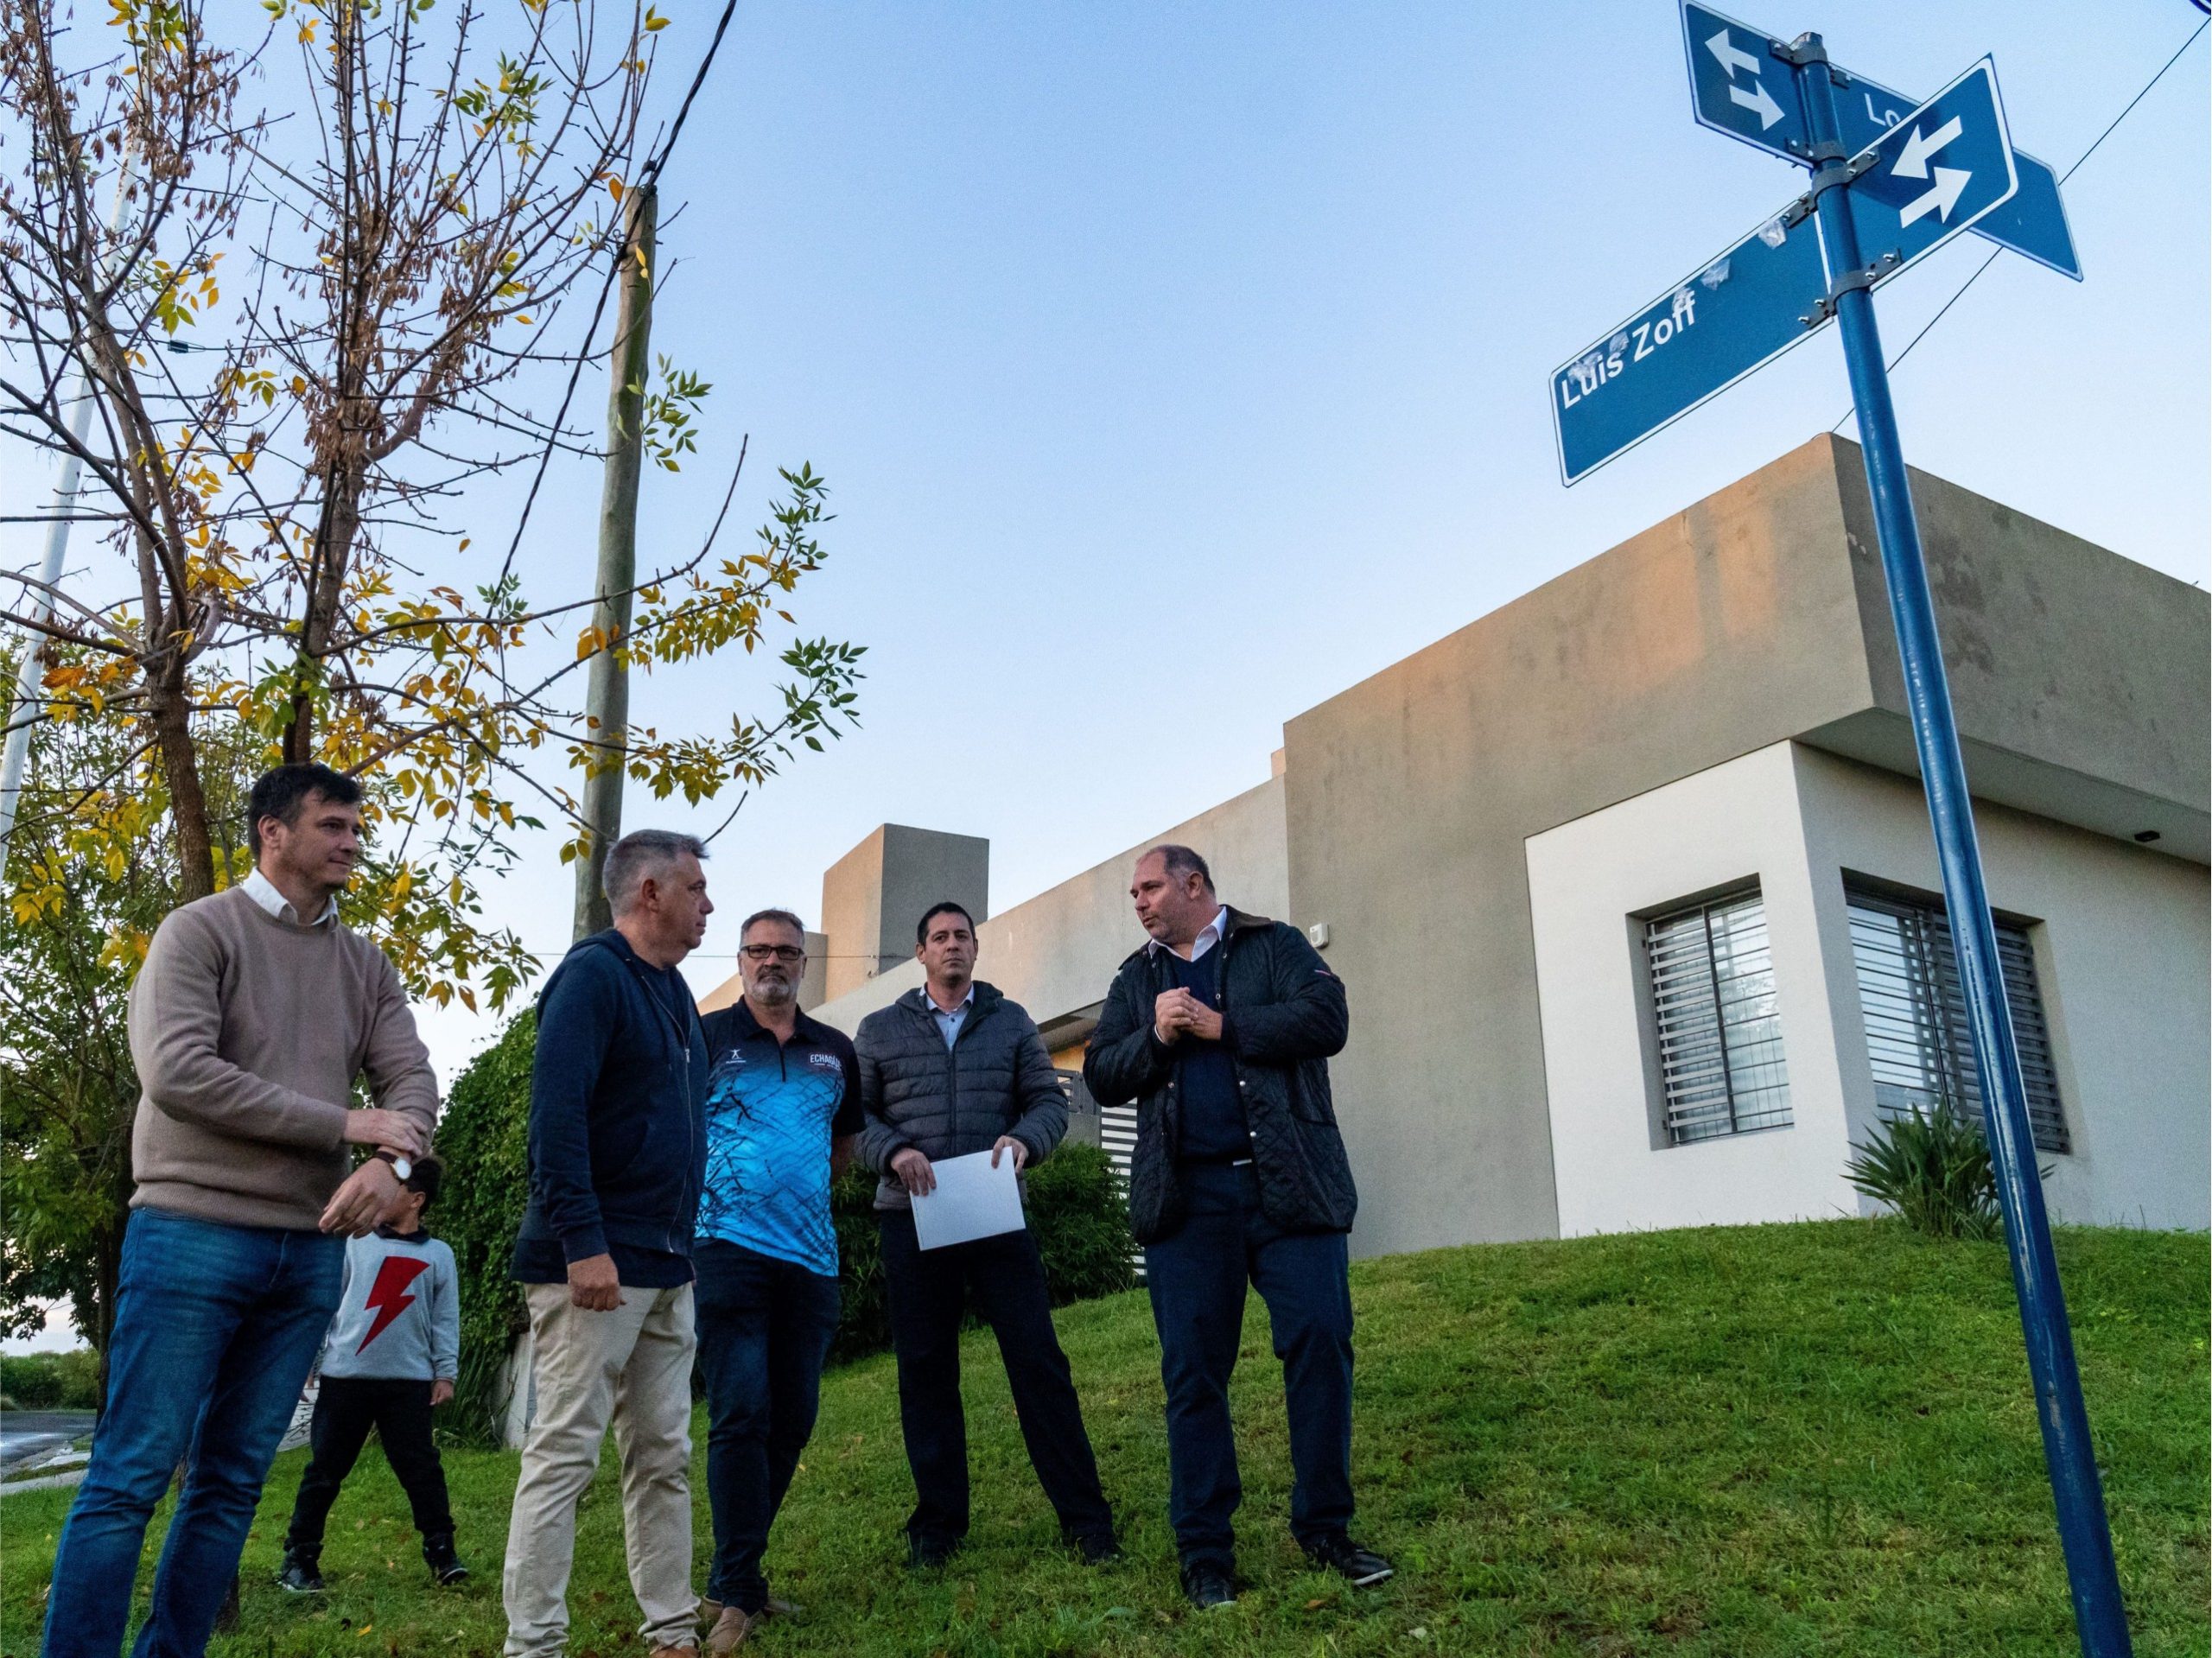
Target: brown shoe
{"x": 731, "y": 1628}
{"x": 675, "y": 1652}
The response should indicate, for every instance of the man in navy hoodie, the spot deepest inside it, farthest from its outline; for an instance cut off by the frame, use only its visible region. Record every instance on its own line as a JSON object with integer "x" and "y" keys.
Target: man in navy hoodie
{"x": 617, "y": 1153}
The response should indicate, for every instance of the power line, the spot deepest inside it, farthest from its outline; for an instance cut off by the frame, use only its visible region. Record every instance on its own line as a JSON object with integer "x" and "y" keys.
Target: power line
{"x": 2062, "y": 177}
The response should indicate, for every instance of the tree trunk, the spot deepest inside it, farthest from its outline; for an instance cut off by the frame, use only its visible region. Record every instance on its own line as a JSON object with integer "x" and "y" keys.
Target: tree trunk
{"x": 170, "y": 711}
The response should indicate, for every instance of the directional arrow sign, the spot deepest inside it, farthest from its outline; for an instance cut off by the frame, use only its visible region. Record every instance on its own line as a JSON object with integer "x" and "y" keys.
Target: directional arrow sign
{"x": 1738, "y": 85}
{"x": 1936, "y": 173}
{"x": 1733, "y": 73}
{"x": 1730, "y": 316}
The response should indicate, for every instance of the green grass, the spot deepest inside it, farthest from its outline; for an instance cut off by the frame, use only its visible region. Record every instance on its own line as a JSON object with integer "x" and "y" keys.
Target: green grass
{"x": 1773, "y": 1440}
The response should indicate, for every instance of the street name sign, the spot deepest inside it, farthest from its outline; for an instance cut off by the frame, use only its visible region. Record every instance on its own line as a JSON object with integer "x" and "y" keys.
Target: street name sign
{"x": 1934, "y": 174}
{"x": 1741, "y": 84}
{"x": 1732, "y": 314}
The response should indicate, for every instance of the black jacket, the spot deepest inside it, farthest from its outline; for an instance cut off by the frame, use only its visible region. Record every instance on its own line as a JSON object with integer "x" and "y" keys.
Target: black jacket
{"x": 996, "y": 1079}
{"x": 617, "y": 1091}
{"x": 1283, "y": 1015}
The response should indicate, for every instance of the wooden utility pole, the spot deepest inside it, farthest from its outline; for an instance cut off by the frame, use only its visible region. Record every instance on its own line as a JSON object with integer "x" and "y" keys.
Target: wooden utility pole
{"x": 607, "y": 705}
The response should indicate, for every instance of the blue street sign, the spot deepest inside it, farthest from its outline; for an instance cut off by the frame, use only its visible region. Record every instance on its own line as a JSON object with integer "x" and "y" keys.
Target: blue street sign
{"x": 2032, "y": 224}
{"x": 1732, "y": 315}
{"x": 1739, "y": 86}
{"x": 1934, "y": 174}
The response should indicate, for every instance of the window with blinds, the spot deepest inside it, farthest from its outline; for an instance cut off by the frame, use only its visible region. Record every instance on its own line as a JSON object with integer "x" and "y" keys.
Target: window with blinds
{"x": 1718, "y": 1030}
{"x": 1915, "y": 1012}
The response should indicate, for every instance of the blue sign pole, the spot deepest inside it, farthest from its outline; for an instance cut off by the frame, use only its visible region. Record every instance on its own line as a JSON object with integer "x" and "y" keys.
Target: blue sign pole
{"x": 2097, "y": 1614}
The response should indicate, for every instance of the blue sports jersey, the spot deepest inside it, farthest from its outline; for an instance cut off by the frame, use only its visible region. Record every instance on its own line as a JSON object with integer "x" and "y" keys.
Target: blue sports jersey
{"x": 772, "y": 1111}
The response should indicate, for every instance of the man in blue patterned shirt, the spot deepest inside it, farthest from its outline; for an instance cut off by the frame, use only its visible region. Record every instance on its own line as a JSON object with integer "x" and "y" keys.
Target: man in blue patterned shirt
{"x": 783, "y": 1108}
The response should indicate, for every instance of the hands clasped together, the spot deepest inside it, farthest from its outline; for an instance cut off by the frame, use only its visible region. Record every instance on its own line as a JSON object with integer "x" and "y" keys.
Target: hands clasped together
{"x": 1178, "y": 1013}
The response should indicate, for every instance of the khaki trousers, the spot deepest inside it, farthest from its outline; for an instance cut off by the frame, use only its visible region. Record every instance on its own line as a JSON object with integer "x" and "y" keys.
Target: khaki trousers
{"x": 631, "y": 1366}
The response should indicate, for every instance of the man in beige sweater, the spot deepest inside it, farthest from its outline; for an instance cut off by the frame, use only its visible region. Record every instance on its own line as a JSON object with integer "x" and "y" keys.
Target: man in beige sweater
{"x": 254, "y": 1012}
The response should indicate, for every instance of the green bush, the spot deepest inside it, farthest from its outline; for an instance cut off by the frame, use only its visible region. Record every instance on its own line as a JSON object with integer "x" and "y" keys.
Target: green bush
{"x": 1076, "y": 1210}
{"x": 1933, "y": 1169}
{"x": 484, "y": 1139}
{"x": 52, "y": 1380}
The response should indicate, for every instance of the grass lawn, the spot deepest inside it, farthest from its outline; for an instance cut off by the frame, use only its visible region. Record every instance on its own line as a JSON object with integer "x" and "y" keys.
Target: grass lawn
{"x": 1770, "y": 1440}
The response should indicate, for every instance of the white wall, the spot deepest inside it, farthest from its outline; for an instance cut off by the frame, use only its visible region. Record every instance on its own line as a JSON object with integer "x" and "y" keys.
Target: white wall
{"x": 1586, "y": 880}
{"x": 2124, "y": 956}
{"x": 2121, "y": 944}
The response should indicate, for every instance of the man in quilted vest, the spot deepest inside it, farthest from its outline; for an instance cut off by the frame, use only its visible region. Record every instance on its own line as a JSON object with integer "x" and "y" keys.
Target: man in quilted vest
{"x": 946, "y": 1071}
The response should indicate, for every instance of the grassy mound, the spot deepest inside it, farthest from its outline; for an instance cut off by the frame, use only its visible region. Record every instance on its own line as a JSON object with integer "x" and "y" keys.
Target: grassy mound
{"x": 1783, "y": 1440}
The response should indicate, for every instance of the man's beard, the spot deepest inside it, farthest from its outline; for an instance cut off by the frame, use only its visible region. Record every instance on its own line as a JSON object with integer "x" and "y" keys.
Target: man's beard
{"x": 773, "y": 993}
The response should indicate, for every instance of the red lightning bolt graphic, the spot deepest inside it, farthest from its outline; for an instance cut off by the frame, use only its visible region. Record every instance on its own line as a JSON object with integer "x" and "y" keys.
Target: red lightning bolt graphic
{"x": 388, "y": 1296}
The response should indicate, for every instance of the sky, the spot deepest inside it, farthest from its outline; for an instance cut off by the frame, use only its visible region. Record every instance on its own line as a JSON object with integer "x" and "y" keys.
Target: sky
{"x": 1175, "y": 368}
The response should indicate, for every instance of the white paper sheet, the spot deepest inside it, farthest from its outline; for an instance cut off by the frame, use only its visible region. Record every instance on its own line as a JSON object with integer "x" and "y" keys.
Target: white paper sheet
{"x": 972, "y": 1200}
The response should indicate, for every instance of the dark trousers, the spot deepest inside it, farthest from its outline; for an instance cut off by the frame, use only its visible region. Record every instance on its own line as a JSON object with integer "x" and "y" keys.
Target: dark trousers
{"x": 347, "y": 1408}
{"x": 1197, "y": 1278}
{"x": 928, "y": 1292}
{"x": 764, "y": 1328}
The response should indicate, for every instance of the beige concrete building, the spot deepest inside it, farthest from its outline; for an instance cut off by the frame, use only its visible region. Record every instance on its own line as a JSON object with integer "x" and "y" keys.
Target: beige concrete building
{"x": 1632, "y": 885}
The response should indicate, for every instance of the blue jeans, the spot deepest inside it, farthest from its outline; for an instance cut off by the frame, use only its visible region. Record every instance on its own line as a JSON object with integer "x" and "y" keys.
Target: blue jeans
{"x": 764, "y": 1328}
{"x": 1196, "y": 1279}
{"x": 216, "y": 1328}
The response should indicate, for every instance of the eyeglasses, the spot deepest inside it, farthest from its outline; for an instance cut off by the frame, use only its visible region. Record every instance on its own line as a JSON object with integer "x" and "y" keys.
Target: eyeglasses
{"x": 773, "y": 953}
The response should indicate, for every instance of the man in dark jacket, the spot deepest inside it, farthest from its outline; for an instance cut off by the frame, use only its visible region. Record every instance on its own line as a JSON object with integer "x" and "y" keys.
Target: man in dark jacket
{"x": 618, "y": 1149}
{"x": 948, "y": 1071}
{"x": 1220, "y": 1029}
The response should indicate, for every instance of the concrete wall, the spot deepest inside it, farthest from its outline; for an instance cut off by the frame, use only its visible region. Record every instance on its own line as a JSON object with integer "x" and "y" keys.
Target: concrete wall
{"x": 2121, "y": 938}
{"x": 873, "y": 896}
{"x": 1058, "y": 953}
{"x": 1739, "y": 623}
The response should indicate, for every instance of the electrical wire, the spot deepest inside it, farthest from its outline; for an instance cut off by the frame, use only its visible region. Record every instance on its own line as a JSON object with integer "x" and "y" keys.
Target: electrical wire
{"x": 1976, "y": 275}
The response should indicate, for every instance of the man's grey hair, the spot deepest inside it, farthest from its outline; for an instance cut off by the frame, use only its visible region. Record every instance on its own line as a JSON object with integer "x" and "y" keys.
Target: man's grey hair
{"x": 783, "y": 917}
{"x": 1180, "y": 860}
{"x": 639, "y": 856}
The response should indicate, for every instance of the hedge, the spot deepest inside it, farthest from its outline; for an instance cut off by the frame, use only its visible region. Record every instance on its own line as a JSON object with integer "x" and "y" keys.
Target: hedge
{"x": 1076, "y": 1206}
{"x": 51, "y": 1381}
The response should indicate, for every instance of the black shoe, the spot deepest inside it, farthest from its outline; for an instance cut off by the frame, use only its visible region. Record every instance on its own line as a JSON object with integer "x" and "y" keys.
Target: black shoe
{"x": 445, "y": 1565}
{"x": 1208, "y": 1586}
{"x": 1096, "y": 1547}
{"x": 302, "y": 1573}
{"x": 1340, "y": 1554}
{"x": 927, "y": 1553}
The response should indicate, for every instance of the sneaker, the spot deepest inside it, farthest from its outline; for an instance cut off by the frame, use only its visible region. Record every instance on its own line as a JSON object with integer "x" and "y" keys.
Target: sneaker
{"x": 1208, "y": 1586}
{"x": 437, "y": 1554}
{"x": 1340, "y": 1554}
{"x": 302, "y": 1573}
{"x": 927, "y": 1553}
{"x": 732, "y": 1625}
{"x": 711, "y": 1608}
{"x": 1096, "y": 1547}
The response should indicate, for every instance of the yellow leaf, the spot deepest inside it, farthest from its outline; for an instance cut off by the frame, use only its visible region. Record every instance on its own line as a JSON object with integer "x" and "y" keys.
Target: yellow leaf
{"x": 615, "y": 186}
{"x": 654, "y": 22}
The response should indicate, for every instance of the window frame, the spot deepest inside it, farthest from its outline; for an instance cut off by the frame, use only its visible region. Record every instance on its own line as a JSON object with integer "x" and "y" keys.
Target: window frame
{"x": 1745, "y": 1111}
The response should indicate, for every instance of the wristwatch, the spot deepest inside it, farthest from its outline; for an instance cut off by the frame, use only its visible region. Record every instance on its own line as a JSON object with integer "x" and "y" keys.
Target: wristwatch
{"x": 401, "y": 1167}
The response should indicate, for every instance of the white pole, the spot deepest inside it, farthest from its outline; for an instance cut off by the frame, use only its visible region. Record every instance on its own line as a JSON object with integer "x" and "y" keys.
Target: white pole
{"x": 28, "y": 673}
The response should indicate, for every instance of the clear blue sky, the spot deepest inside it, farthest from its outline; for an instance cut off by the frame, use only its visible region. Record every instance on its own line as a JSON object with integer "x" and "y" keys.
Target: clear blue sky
{"x": 1176, "y": 367}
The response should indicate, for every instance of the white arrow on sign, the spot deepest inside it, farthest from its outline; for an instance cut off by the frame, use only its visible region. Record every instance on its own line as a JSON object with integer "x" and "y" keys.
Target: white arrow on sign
{"x": 1757, "y": 98}
{"x": 1949, "y": 181}
{"x": 1732, "y": 56}
{"x": 1912, "y": 160}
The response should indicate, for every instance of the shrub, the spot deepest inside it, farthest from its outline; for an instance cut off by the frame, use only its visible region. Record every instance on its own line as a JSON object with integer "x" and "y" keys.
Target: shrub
{"x": 1933, "y": 1169}
{"x": 484, "y": 1138}
{"x": 52, "y": 1380}
{"x": 1076, "y": 1207}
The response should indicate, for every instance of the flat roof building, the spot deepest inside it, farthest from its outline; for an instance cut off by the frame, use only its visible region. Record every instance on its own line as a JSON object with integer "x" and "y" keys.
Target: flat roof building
{"x": 1631, "y": 883}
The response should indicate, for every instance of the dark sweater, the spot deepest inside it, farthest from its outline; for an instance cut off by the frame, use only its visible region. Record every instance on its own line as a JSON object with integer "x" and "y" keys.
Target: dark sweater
{"x": 1214, "y": 1129}
{"x": 618, "y": 1140}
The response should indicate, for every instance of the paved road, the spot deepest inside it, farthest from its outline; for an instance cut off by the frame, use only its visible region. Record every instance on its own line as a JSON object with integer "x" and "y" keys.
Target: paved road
{"x": 26, "y": 1435}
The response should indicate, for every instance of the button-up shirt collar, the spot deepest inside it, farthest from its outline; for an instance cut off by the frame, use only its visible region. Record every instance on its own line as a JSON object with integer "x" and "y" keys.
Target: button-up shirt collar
{"x": 1210, "y": 934}
{"x": 263, "y": 890}
{"x": 950, "y": 1023}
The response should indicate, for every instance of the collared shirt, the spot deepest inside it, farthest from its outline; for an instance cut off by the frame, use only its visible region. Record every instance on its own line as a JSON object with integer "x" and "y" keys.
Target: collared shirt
{"x": 950, "y": 1024}
{"x": 263, "y": 890}
{"x": 1210, "y": 934}
{"x": 774, "y": 1108}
